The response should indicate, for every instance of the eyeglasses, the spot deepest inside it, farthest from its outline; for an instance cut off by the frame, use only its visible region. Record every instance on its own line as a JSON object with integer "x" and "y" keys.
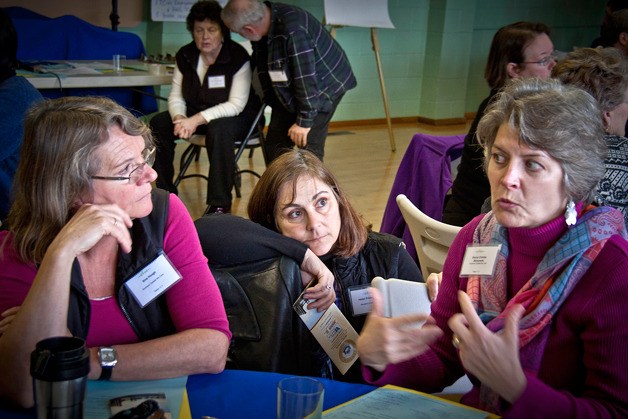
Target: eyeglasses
{"x": 545, "y": 61}
{"x": 148, "y": 155}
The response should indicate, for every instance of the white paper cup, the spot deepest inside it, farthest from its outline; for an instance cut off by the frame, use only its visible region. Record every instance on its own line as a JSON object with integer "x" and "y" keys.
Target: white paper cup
{"x": 300, "y": 397}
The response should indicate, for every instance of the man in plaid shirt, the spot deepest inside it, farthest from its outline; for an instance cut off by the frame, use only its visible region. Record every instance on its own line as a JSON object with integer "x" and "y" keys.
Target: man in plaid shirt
{"x": 303, "y": 71}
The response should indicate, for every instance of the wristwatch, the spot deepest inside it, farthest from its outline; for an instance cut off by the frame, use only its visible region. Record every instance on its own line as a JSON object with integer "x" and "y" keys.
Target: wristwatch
{"x": 108, "y": 359}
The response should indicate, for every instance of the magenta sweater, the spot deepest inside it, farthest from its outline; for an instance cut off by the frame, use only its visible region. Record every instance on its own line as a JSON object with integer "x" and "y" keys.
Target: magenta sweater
{"x": 584, "y": 371}
{"x": 193, "y": 302}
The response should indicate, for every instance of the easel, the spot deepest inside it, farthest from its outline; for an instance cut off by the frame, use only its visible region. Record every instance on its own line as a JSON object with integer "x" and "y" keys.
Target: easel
{"x": 375, "y": 43}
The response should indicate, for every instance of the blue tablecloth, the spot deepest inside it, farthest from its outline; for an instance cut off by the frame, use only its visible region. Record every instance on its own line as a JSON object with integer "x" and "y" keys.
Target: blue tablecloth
{"x": 230, "y": 394}
{"x": 249, "y": 394}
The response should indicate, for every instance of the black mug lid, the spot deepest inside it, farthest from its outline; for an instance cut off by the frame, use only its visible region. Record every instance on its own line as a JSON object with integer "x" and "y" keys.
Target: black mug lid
{"x": 60, "y": 359}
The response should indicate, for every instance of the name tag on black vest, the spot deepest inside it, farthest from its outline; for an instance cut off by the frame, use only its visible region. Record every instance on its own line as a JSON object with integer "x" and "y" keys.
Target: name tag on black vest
{"x": 153, "y": 280}
{"x": 216, "y": 82}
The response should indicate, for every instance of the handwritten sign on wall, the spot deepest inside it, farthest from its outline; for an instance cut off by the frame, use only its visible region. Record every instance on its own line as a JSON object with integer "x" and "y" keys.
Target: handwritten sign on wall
{"x": 172, "y": 10}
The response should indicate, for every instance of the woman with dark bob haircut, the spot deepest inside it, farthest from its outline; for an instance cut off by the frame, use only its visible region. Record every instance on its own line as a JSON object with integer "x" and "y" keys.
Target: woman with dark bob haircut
{"x": 299, "y": 209}
{"x": 85, "y": 225}
{"x": 211, "y": 95}
{"x": 541, "y": 331}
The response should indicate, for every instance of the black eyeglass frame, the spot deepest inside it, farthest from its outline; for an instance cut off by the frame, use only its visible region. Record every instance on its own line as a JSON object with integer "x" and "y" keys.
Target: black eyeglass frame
{"x": 149, "y": 159}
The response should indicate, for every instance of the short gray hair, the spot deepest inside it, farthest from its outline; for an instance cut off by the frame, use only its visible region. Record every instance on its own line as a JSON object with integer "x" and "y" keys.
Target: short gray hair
{"x": 564, "y": 121}
{"x": 237, "y": 14}
{"x": 603, "y": 72}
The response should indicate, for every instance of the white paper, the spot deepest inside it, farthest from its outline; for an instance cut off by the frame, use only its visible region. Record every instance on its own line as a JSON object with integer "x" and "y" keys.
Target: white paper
{"x": 401, "y": 297}
{"x": 173, "y": 10}
{"x": 332, "y": 331}
{"x": 361, "y": 13}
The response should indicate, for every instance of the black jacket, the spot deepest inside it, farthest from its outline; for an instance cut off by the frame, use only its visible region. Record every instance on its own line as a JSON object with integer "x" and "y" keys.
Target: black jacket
{"x": 383, "y": 255}
{"x": 149, "y": 322}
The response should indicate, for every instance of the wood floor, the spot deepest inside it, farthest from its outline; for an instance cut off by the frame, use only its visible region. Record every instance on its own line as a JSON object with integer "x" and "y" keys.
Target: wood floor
{"x": 359, "y": 156}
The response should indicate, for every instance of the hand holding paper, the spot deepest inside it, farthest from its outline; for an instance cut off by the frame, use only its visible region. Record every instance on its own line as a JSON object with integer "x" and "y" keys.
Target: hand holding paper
{"x": 323, "y": 293}
{"x": 386, "y": 341}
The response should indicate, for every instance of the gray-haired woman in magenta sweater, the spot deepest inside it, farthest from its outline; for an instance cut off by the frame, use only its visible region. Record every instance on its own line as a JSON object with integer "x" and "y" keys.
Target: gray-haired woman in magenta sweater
{"x": 545, "y": 334}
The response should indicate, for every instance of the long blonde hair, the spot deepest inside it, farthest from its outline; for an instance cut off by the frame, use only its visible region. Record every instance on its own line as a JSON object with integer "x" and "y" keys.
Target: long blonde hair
{"x": 57, "y": 160}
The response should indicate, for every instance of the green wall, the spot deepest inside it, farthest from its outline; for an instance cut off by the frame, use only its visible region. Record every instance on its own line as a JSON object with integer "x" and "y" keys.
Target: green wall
{"x": 433, "y": 61}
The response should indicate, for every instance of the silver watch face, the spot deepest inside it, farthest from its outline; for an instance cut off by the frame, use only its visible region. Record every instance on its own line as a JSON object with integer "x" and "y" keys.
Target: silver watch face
{"x": 108, "y": 357}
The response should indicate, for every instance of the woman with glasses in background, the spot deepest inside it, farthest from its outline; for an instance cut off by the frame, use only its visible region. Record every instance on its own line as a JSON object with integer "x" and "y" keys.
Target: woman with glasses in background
{"x": 86, "y": 228}
{"x": 518, "y": 50}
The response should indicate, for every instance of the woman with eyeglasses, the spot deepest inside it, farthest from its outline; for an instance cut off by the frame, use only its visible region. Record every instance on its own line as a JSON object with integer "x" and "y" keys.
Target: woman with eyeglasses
{"x": 93, "y": 251}
{"x": 518, "y": 50}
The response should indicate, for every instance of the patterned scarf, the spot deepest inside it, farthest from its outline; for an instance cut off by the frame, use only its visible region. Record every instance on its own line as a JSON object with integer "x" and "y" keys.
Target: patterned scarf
{"x": 559, "y": 272}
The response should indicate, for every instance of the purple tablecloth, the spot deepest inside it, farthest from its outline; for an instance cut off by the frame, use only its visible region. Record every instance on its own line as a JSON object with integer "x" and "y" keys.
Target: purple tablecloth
{"x": 424, "y": 176}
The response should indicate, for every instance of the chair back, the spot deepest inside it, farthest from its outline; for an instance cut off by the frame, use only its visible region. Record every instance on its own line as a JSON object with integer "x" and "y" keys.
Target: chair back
{"x": 268, "y": 334}
{"x": 431, "y": 238}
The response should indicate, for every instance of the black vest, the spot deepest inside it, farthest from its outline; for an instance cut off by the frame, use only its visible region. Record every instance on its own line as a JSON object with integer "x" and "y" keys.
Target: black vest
{"x": 154, "y": 319}
{"x": 197, "y": 94}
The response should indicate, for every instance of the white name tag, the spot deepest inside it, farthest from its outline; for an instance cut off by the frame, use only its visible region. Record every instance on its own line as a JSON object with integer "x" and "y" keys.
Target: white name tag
{"x": 216, "y": 82}
{"x": 479, "y": 260}
{"x": 361, "y": 300}
{"x": 153, "y": 280}
{"x": 278, "y": 75}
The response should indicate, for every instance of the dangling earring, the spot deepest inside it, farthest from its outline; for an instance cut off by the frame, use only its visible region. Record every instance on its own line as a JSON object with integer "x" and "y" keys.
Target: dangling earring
{"x": 571, "y": 216}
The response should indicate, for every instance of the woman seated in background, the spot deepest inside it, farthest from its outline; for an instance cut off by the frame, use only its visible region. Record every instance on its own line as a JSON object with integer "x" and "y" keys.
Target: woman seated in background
{"x": 84, "y": 222}
{"x": 603, "y": 72}
{"x": 545, "y": 334}
{"x": 518, "y": 50}
{"x": 297, "y": 209}
{"x": 211, "y": 95}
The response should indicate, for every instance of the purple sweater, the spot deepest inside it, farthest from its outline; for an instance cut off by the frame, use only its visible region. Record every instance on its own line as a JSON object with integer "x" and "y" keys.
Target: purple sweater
{"x": 584, "y": 370}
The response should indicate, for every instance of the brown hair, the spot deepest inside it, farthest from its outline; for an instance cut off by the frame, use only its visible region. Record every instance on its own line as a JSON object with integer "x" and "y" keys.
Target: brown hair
{"x": 289, "y": 168}
{"x": 57, "y": 160}
{"x": 507, "y": 47}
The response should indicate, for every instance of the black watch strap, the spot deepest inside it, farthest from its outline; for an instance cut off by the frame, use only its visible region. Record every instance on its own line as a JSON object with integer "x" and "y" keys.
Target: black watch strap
{"x": 105, "y": 373}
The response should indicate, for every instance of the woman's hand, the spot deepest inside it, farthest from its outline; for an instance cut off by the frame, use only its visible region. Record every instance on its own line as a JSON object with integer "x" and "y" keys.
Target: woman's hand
{"x": 89, "y": 225}
{"x": 492, "y": 358}
{"x": 323, "y": 292}
{"x": 186, "y": 127}
{"x": 386, "y": 341}
{"x": 7, "y": 318}
{"x": 433, "y": 283}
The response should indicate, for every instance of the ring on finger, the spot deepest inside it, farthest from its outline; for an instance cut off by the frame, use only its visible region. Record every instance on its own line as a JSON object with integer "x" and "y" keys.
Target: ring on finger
{"x": 328, "y": 287}
{"x": 455, "y": 341}
{"x": 115, "y": 221}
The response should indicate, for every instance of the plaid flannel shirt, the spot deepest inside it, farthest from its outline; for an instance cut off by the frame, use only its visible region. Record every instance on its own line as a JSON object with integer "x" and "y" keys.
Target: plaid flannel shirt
{"x": 316, "y": 68}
